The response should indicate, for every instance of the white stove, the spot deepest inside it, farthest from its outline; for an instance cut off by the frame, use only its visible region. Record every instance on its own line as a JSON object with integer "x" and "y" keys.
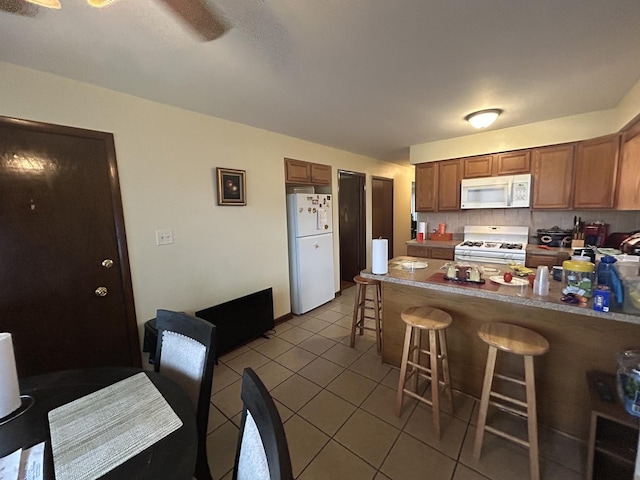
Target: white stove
{"x": 489, "y": 244}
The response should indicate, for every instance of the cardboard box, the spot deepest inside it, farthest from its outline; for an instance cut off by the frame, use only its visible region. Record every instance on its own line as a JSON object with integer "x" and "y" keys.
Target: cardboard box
{"x": 441, "y": 236}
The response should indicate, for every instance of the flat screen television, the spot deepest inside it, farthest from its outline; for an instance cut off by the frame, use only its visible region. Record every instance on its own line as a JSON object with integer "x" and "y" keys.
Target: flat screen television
{"x": 240, "y": 320}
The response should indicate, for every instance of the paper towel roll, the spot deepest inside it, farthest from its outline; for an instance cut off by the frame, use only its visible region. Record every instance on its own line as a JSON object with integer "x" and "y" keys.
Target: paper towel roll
{"x": 9, "y": 390}
{"x": 422, "y": 228}
{"x": 380, "y": 256}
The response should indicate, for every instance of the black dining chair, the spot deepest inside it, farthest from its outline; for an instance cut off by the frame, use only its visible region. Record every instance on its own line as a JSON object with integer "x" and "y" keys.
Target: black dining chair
{"x": 185, "y": 353}
{"x": 263, "y": 453}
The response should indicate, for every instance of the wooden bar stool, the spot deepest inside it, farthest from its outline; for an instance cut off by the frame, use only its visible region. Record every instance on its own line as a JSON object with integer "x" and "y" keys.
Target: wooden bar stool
{"x": 367, "y": 303}
{"x": 435, "y": 322}
{"x": 519, "y": 341}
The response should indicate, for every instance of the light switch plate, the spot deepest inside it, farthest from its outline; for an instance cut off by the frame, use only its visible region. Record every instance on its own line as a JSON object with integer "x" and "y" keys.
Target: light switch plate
{"x": 164, "y": 237}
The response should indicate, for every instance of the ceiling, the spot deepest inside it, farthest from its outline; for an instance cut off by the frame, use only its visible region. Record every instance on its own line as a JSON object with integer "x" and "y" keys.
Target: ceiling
{"x": 366, "y": 76}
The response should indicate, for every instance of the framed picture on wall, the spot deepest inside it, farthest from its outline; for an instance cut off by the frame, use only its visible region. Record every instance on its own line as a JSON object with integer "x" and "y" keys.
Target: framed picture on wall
{"x": 231, "y": 187}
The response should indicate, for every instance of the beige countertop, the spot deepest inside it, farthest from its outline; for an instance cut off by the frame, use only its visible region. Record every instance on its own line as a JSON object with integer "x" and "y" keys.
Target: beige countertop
{"x": 532, "y": 248}
{"x": 508, "y": 294}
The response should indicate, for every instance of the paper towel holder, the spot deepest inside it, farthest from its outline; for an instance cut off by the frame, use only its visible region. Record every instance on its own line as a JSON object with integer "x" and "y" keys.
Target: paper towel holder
{"x": 26, "y": 402}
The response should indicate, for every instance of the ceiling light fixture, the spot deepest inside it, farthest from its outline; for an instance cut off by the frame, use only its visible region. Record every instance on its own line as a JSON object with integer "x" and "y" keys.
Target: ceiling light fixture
{"x": 483, "y": 118}
{"x": 56, "y": 3}
{"x": 47, "y": 3}
{"x": 99, "y": 3}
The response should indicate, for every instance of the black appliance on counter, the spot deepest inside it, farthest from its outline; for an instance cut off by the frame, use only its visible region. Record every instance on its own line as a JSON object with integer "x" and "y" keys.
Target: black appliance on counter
{"x": 554, "y": 237}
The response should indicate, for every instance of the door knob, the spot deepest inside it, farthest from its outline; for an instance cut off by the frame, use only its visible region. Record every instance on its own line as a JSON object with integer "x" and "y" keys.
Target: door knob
{"x": 107, "y": 263}
{"x": 101, "y": 291}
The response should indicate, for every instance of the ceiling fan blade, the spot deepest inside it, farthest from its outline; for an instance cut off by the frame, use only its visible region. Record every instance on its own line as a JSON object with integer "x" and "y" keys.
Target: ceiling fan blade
{"x": 199, "y": 17}
{"x": 19, "y": 7}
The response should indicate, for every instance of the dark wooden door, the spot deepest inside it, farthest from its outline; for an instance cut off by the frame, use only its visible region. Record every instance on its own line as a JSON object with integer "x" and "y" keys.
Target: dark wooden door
{"x": 62, "y": 246}
{"x": 351, "y": 204}
{"x": 382, "y": 210}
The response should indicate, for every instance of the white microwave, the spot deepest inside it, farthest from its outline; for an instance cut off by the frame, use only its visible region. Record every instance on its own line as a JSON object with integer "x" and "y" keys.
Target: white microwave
{"x": 508, "y": 191}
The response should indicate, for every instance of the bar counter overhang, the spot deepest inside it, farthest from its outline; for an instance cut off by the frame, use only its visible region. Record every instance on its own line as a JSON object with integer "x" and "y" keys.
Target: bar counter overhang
{"x": 580, "y": 338}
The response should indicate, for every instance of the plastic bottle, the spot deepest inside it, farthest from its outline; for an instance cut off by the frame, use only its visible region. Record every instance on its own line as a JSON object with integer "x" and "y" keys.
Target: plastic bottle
{"x": 604, "y": 271}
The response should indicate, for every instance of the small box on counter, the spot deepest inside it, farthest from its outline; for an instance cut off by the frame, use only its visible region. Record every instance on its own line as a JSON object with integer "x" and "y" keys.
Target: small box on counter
{"x": 440, "y": 236}
{"x": 601, "y": 298}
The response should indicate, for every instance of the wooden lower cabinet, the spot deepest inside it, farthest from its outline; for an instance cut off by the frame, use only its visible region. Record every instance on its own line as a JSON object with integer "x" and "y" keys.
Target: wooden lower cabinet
{"x": 441, "y": 253}
{"x": 535, "y": 261}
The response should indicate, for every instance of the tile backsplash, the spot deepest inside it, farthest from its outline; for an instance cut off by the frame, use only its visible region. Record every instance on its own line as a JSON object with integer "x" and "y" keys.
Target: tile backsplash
{"x": 535, "y": 219}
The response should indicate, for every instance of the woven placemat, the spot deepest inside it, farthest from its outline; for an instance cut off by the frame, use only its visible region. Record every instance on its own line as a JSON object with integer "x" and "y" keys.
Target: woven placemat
{"x": 94, "y": 434}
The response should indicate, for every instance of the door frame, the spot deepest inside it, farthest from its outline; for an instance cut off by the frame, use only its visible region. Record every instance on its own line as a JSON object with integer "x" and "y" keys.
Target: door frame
{"x": 373, "y": 205}
{"x": 116, "y": 206}
{"x": 362, "y": 221}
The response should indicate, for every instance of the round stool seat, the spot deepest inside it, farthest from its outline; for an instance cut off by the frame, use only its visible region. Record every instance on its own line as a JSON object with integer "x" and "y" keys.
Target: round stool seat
{"x": 513, "y": 339}
{"x": 365, "y": 281}
{"x": 426, "y": 318}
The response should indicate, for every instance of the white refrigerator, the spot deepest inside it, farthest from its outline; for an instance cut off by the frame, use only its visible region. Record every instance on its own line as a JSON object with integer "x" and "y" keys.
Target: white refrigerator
{"x": 310, "y": 231}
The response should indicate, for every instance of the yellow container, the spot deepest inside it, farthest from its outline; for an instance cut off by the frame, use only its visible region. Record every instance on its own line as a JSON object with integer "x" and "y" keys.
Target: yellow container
{"x": 578, "y": 277}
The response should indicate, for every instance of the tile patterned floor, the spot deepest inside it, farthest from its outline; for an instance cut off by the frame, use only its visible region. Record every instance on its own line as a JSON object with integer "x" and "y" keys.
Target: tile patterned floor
{"x": 337, "y": 405}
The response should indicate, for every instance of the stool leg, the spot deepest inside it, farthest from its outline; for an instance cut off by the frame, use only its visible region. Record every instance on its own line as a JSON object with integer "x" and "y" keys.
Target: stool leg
{"x": 379, "y": 287}
{"x": 484, "y": 401}
{"x": 403, "y": 369}
{"x": 356, "y": 308}
{"x": 445, "y": 366}
{"x": 532, "y": 424}
{"x": 435, "y": 382}
{"x": 376, "y": 308}
{"x": 417, "y": 340}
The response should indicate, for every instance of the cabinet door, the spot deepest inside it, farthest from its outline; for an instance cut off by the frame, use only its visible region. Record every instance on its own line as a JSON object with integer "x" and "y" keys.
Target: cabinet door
{"x": 512, "y": 163}
{"x": 426, "y": 183}
{"x": 552, "y": 169}
{"x": 475, "y": 167}
{"x": 320, "y": 174}
{"x": 629, "y": 173}
{"x": 297, "y": 171}
{"x": 449, "y": 176}
{"x": 595, "y": 172}
{"x": 442, "y": 253}
{"x": 416, "y": 251}
{"x": 535, "y": 261}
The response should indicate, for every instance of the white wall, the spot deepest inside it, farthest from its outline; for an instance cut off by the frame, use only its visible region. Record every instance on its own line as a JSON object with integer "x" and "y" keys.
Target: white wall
{"x": 166, "y": 160}
{"x": 550, "y": 132}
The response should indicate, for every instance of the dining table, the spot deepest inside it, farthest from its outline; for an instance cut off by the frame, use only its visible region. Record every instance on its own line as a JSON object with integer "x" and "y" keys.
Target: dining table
{"x": 171, "y": 457}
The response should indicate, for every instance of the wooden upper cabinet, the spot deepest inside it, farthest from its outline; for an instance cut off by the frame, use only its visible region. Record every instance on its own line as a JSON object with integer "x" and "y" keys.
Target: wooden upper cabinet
{"x": 449, "y": 176}
{"x": 512, "y": 163}
{"x": 475, "y": 167}
{"x": 628, "y": 190}
{"x": 595, "y": 172}
{"x": 552, "y": 169}
{"x": 426, "y": 184}
{"x": 300, "y": 172}
{"x": 320, "y": 174}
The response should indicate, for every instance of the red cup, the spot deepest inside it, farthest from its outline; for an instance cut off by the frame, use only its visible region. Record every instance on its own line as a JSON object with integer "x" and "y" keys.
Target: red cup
{"x": 420, "y": 236}
{"x": 441, "y": 228}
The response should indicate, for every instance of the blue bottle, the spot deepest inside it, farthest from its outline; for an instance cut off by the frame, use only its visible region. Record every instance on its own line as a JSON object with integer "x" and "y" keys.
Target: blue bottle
{"x": 605, "y": 269}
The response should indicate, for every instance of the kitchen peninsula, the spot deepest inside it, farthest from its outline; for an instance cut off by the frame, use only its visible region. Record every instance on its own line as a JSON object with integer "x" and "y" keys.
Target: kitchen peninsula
{"x": 581, "y": 339}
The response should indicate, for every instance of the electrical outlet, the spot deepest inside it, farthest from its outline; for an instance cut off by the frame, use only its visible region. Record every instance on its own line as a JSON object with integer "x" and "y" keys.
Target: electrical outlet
{"x": 164, "y": 237}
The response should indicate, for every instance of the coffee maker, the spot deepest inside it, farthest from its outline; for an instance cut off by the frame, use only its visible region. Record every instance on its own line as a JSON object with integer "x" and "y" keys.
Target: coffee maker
{"x": 595, "y": 234}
